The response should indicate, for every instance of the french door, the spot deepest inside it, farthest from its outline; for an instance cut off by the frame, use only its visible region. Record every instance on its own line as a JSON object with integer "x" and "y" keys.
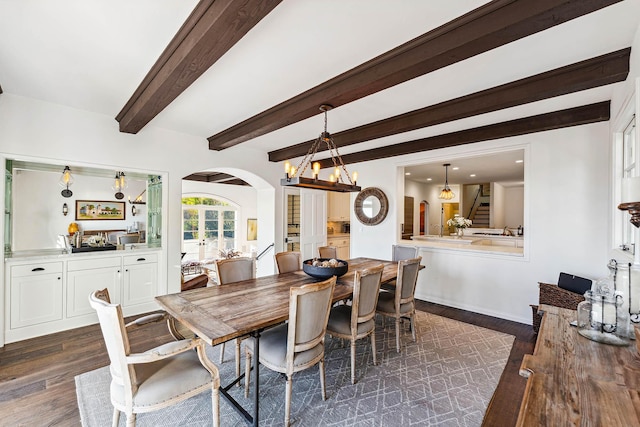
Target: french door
{"x": 206, "y": 230}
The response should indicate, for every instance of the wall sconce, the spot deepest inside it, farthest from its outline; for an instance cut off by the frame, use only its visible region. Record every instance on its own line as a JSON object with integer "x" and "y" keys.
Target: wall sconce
{"x": 65, "y": 181}
{"x": 65, "y": 209}
{"x": 133, "y": 210}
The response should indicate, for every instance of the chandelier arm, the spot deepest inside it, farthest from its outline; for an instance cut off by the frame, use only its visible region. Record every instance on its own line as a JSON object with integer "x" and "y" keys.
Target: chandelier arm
{"x": 306, "y": 160}
{"x": 344, "y": 168}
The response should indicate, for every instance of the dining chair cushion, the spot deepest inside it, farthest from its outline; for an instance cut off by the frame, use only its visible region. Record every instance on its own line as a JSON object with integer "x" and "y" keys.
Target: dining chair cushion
{"x": 153, "y": 388}
{"x": 386, "y": 302}
{"x": 340, "y": 321}
{"x": 273, "y": 348}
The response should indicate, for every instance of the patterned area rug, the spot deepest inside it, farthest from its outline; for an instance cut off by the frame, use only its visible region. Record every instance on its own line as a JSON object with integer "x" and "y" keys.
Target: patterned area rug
{"x": 446, "y": 378}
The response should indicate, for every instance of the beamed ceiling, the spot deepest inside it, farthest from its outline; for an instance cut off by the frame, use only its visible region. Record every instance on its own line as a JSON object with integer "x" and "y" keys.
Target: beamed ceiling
{"x": 404, "y": 76}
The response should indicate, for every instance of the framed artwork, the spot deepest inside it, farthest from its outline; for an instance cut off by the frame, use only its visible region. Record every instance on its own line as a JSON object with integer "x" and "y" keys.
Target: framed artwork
{"x": 89, "y": 210}
{"x": 252, "y": 229}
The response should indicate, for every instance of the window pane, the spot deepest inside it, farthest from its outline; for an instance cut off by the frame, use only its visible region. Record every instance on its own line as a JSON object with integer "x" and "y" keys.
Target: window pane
{"x": 190, "y": 224}
{"x": 211, "y": 224}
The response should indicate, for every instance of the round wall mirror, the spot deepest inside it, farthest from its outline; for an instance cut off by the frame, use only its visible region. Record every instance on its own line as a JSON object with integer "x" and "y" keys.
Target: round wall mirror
{"x": 371, "y": 206}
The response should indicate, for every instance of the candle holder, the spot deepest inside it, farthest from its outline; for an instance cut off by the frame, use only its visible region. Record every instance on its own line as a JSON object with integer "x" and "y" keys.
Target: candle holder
{"x": 602, "y": 318}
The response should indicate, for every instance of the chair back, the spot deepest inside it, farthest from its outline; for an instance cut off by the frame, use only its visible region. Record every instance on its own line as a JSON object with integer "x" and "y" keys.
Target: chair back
{"x": 129, "y": 238}
{"x": 366, "y": 288}
{"x": 116, "y": 341}
{"x": 400, "y": 252}
{"x": 235, "y": 270}
{"x": 327, "y": 252}
{"x": 309, "y": 307}
{"x": 407, "y": 278}
{"x": 288, "y": 261}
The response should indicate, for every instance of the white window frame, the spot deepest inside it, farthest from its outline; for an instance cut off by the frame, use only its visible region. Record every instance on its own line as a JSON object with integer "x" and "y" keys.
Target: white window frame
{"x": 625, "y": 240}
{"x": 220, "y": 209}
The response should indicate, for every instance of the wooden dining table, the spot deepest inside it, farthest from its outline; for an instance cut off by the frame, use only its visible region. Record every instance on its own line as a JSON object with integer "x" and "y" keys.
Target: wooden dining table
{"x": 218, "y": 314}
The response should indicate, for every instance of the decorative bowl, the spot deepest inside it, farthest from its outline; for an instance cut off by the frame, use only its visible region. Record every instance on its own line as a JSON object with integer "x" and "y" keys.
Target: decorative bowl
{"x": 324, "y": 272}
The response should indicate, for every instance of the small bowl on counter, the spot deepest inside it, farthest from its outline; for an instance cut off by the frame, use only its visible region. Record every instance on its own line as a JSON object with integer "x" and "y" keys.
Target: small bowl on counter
{"x": 324, "y": 268}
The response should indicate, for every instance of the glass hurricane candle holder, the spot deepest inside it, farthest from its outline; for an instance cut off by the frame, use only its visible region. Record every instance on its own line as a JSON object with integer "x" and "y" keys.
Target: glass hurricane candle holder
{"x": 603, "y": 318}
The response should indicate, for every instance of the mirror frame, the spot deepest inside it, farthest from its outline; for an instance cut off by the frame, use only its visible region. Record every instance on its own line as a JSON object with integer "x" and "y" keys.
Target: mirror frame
{"x": 384, "y": 206}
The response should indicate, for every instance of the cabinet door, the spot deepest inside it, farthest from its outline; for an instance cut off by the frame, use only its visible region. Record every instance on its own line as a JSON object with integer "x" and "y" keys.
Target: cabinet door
{"x": 342, "y": 252}
{"x": 337, "y": 206}
{"x": 140, "y": 282}
{"x": 80, "y": 284}
{"x": 36, "y": 299}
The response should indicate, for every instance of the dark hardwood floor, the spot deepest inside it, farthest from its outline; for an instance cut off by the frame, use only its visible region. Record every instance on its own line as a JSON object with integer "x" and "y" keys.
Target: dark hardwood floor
{"x": 37, "y": 376}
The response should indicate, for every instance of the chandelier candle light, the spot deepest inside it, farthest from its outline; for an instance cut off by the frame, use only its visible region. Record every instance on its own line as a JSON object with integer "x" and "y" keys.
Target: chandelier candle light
{"x": 339, "y": 180}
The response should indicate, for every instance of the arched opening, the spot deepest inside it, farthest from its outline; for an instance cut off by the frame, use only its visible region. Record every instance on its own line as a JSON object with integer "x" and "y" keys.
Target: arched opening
{"x": 253, "y": 201}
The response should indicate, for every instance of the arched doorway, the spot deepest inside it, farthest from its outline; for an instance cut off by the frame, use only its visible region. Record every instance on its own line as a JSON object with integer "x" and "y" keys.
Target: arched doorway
{"x": 254, "y": 199}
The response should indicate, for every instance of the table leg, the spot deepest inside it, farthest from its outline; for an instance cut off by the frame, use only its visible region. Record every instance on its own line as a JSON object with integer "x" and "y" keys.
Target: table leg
{"x": 256, "y": 385}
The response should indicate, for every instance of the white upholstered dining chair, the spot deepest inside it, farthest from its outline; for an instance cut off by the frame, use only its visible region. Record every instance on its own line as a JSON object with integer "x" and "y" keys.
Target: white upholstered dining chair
{"x": 157, "y": 378}
{"x": 400, "y": 252}
{"x": 287, "y": 262}
{"x": 327, "y": 252}
{"x": 400, "y": 302}
{"x": 357, "y": 321}
{"x": 229, "y": 271}
{"x": 299, "y": 344}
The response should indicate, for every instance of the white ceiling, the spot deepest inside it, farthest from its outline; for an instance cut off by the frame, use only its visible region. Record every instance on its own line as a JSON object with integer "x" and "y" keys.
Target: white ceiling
{"x": 92, "y": 54}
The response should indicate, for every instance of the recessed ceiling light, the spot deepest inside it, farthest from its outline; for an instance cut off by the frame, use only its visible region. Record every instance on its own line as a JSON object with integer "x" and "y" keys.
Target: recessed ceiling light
{"x": 428, "y": 179}
{"x": 519, "y": 161}
{"x": 455, "y": 168}
{"x": 472, "y": 175}
{"x": 407, "y": 173}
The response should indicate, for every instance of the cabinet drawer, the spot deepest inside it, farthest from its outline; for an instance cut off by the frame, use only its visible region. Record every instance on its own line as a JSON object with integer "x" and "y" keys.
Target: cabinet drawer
{"x": 89, "y": 264}
{"x": 140, "y": 259}
{"x": 36, "y": 269}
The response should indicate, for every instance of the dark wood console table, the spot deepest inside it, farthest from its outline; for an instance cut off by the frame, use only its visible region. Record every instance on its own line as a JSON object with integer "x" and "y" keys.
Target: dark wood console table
{"x": 573, "y": 381}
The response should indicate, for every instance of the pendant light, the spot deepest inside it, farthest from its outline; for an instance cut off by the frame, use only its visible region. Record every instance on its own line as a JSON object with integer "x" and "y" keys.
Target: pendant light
{"x": 446, "y": 193}
{"x": 336, "y": 182}
{"x": 119, "y": 184}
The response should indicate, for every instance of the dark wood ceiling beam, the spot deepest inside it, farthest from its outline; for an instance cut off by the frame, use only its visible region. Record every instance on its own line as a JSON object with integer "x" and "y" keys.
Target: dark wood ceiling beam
{"x": 592, "y": 113}
{"x": 215, "y": 178}
{"x": 487, "y": 27}
{"x": 209, "y": 32}
{"x": 588, "y": 74}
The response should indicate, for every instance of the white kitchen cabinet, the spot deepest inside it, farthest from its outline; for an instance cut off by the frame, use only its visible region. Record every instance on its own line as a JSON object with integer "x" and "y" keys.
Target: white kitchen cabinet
{"x": 338, "y": 206}
{"x": 51, "y": 294}
{"x": 88, "y": 275}
{"x": 342, "y": 246}
{"x": 140, "y": 279}
{"x": 36, "y": 294}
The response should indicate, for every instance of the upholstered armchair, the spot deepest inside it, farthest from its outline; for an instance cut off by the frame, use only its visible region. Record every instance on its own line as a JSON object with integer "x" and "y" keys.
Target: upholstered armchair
{"x": 327, "y": 252}
{"x": 288, "y": 261}
{"x": 357, "y": 321}
{"x": 157, "y": 378}
{"x": 400, "y": 303}
{"x": 299, "y": 344}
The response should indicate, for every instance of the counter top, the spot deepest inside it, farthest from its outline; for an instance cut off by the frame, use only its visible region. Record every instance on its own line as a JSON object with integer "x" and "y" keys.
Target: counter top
{"x": 329, "y": 236}
{"x": 61, "y": 254}
{"x": 477, "y": 246}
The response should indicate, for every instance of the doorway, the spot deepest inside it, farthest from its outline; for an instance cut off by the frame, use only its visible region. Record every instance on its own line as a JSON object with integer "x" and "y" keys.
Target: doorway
{"x": 448, "y": 212}
{"x": 207, "y": 229}
{"x": 424, "y": 217}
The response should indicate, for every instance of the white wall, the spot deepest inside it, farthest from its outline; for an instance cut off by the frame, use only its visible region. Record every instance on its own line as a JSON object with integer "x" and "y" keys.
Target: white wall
{"x": 497, "y": 206}
{"x": 37, "y": 207}
{"x": 558, "y": 185}
{"x": 513, "y": 206}
{"x": 41, "y": 131}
